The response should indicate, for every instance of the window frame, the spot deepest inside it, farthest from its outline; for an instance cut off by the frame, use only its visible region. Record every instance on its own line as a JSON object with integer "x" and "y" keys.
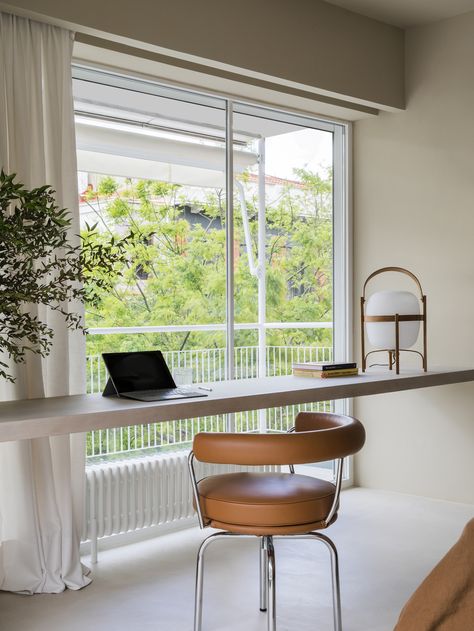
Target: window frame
{"x": 342, "y": 192}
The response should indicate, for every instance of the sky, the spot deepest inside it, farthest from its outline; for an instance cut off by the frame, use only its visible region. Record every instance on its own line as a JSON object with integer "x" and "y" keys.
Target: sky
{"x": 308, "y": 149}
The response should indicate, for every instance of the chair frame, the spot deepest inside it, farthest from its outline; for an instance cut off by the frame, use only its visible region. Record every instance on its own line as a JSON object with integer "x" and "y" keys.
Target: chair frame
{"x": 267, "y": 554}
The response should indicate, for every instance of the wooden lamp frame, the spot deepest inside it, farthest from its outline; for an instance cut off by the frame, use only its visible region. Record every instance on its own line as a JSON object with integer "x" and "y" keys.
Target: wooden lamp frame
{"x": 393, "y": 354}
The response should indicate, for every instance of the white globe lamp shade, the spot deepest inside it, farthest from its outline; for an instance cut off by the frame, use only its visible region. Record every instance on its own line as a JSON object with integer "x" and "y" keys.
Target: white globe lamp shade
{"x": 382, "y": 334}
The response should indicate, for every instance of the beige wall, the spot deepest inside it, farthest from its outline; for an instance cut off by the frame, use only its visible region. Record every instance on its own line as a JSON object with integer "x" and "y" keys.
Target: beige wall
{"x": 304, "y": 41}
{"x": 414, "y": 207}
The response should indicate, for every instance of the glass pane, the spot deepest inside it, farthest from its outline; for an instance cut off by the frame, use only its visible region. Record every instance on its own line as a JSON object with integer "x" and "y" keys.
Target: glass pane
{"x": 283, "y": 214}
{"x": 152, "y": 167}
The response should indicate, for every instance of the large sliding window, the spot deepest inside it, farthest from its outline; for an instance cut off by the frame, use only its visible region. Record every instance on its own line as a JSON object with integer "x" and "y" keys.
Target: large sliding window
{"x": 237, "y": 264}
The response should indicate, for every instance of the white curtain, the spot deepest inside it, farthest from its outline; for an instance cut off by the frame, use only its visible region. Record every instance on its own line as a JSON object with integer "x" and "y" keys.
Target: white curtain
{"x": 41, "y": 480}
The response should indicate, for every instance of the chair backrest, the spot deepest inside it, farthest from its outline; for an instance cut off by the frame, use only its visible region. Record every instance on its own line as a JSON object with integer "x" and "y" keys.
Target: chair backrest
{"x": 318, "y": 436}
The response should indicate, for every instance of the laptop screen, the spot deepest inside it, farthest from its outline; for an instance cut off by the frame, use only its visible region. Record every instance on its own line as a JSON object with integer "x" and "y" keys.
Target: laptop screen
{"x": 140, "y": 370}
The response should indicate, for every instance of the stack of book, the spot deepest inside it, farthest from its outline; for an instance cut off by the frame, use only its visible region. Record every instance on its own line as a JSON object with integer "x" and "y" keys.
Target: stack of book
{"x": 324, "y": 370}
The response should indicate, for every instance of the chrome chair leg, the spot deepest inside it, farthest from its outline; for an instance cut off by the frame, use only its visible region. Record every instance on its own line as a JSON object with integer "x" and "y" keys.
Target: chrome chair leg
{"x": 336, "y": 589}
{"x": 263, "y": 574}
{"x": 271, "y": 619}
{"x": 200, "y": 576}
{"x": 200, "y": 572}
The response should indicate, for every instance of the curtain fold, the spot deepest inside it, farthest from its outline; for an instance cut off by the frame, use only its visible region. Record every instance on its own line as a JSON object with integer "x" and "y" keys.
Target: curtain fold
{"x": 41, "y": 480}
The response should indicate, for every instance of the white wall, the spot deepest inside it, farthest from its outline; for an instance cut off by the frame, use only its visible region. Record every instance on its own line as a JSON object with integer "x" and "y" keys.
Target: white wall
{"x": 414, "y": 207}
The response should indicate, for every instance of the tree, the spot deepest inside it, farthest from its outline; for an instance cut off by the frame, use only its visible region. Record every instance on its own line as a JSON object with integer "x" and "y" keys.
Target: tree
{"x": 174, "y": 273}
{"x": 175, "y": 262}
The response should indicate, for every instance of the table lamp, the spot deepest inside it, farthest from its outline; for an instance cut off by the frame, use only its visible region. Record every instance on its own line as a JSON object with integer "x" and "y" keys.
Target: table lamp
{"x": 391, "y": 319}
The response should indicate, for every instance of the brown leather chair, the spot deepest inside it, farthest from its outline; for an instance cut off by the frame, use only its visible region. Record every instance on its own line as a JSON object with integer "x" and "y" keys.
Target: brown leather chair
{"x": 273, "y": 504}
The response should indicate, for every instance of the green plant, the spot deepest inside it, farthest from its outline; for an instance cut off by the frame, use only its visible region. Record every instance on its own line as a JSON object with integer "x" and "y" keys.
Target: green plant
{"x": 39, "y": 266}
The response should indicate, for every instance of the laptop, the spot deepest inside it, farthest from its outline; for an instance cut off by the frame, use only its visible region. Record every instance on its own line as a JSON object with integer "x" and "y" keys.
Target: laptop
{"x": 143, "y": 376}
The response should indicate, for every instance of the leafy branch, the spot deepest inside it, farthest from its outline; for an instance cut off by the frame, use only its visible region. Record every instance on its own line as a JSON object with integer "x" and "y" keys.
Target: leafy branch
{"x": 40, "y": 266}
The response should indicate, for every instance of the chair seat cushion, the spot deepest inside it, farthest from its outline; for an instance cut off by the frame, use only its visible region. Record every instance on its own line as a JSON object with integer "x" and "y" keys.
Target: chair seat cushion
{"x": 265, "y": 502}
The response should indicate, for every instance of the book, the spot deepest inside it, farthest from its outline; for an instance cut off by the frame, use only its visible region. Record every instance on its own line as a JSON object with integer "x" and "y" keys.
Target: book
{"x": 325, "y": 374}
{"x": 325, "y": 366}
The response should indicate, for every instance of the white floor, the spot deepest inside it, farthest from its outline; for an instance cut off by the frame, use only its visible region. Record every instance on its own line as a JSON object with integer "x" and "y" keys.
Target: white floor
{"x": 387, "y": 543}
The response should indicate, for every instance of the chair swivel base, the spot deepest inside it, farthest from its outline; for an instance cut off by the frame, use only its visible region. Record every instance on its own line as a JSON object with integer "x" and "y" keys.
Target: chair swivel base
{"x": 267, "y": 575}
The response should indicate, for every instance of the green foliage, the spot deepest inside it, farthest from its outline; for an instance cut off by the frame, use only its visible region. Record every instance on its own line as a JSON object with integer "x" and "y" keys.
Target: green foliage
{"x": 174, "y": 270}
{"x": 38, "y": 265}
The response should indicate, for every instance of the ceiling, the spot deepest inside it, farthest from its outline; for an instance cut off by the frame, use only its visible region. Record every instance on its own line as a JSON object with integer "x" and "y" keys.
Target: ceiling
{"x": 406, "y": 13}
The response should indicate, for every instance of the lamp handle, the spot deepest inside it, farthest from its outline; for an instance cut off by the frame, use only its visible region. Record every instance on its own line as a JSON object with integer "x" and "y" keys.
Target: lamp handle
{"x": 401, "y": 270}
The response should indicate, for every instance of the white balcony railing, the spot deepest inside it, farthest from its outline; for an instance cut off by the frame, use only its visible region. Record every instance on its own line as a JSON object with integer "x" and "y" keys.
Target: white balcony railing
{"x": 207, "y": 365}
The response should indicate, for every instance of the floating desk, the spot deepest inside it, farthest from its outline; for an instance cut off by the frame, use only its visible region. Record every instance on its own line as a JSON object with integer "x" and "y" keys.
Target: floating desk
{"x": 34, "y": 418}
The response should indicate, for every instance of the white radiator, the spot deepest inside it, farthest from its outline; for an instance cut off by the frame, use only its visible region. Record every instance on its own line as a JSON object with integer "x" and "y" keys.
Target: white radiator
{"x": 127, "y": 495}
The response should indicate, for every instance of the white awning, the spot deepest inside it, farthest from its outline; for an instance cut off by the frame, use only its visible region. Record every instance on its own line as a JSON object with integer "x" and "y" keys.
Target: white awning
{"x": 112, "y": 151}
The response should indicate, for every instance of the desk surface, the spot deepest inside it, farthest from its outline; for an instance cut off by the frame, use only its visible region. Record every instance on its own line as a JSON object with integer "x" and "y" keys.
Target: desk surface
{"x": 63, "y": 415}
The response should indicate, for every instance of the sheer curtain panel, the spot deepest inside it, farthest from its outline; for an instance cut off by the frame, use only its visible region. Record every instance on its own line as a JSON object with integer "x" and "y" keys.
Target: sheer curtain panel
{"x": 41, "y": 480}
